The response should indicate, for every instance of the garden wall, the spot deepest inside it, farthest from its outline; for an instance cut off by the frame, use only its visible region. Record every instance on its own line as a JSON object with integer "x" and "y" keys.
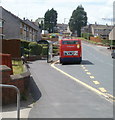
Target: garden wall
{"x": 6, "y": 60}
{"x": 21, "y": 81}
{"x": 12, "y": 47}
{"x": 95, "y": 39}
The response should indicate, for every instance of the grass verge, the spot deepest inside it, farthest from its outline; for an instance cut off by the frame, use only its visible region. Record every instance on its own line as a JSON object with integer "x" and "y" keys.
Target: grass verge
{"x": 17, "y": 67}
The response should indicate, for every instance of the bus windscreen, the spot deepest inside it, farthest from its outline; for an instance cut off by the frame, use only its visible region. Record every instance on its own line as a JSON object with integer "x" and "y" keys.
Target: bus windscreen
{"x": 69, "y": 42}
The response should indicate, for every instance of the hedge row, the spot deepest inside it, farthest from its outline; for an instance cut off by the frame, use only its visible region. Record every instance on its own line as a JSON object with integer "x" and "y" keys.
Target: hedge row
{"x": 33, "y": 48}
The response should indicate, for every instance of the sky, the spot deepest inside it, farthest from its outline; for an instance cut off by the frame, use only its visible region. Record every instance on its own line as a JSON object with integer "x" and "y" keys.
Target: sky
{"x": 33, "y": 9}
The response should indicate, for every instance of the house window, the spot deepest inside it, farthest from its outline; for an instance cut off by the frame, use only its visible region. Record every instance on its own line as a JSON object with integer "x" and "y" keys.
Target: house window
{"x": 24, "y": 27}
{"x": 30, "y": 30}
{"x": 27, "y": 28}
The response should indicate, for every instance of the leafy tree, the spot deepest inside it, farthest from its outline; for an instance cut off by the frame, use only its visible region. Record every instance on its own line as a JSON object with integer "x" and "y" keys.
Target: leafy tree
{"x": 50, "y": 20}
{"x": 78, "y": 20}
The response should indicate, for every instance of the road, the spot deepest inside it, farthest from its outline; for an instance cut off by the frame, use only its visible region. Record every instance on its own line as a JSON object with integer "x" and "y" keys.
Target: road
{"x": 97, "y": 62}
{"x": 59, "y": 96}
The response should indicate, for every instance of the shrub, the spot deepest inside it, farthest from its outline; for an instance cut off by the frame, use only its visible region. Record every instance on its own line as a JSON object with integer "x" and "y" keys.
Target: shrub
{"x": 55, "y": 50}
{"x": 106, "y": 42}
{"x": 26, "y": 51}
{"x": 55, "y": 47}
{"x": 35, "y": 49}
{"x": 25, "y": 44}
{"x": 44, "y": 50}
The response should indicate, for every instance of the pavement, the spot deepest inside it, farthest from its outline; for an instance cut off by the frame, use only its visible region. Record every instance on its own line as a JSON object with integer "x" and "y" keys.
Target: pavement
{"x": 10, "y": 111}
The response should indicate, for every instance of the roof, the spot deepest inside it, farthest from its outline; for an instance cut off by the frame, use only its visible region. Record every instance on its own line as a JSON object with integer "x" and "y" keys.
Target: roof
{"x": 97, "y": 26}
{"x": 27, "y": 22}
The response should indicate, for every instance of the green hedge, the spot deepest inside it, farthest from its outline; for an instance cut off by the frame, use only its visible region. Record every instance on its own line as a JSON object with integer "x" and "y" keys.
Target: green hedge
{"x": 24, "y": 47}
{"x": 25, "y": 44}
{"x": 55, "y": 47}
{"x": 106, "y": 42}
{"x": 55, "y": 50}
{"x": 35, "y": 49}
{"x": 44, "y": 50}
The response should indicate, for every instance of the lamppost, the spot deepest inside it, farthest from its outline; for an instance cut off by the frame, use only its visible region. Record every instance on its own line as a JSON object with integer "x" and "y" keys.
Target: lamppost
{"x": 65, "y": 22}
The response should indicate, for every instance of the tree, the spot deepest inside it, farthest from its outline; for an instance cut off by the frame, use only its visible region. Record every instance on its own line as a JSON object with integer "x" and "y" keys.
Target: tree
{"x": 78, "y": 20}
{"x": 50, "y": 20}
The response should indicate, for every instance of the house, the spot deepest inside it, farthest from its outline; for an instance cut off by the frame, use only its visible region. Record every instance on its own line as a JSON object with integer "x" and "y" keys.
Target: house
{"x": 97, "y": 30}
{"x": 86, "y": 29}
{"x": 62, "y": 27}
{"x": 101, "y": 30}
{"x": 15, "y": 28}
{"x": 39, "y": 21}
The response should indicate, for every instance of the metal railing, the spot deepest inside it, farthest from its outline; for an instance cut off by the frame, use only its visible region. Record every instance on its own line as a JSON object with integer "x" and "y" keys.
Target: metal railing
{"x": 18, "y": 97}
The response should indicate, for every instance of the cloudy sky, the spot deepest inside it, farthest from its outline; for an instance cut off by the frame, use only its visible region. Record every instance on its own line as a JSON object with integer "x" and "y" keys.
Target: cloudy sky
{"x": 32, "y": 9}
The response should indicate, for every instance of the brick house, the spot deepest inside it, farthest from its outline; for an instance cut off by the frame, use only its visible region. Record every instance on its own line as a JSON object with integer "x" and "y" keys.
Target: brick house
{"x": 15, "y": 28}
{"x": 62, "y": 27}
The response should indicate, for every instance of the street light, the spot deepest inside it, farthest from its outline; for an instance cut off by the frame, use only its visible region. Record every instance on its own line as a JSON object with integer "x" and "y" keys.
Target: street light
{"x": 65, "y": 21}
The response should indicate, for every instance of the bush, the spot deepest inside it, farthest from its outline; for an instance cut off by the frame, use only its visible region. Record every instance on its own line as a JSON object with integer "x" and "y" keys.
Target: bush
{"x": 26, "y": 51}
{"x": 35, "y": 49}
{"x": 55, "y": 50}
{"x": 24, "y": 44}
{"x": 44, "y": 50}
{"x": 24, "y": 47}
{"x": 106, "y": 42}
{"x": 55, "y": 47}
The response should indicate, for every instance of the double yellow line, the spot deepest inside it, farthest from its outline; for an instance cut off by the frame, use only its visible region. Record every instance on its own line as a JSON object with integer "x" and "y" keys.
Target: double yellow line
{"x": 82, "y": 83}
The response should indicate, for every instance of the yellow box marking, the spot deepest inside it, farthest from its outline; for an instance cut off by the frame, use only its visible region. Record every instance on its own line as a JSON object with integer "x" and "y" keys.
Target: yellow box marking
{"x": 96, "y": 82}
{"x": 92, "y": 77}
{"x": 82, "y": 65}
{"x": 102, "y": 90}
{"x": 86, "y": 70}
{"x": 88, "y": 73}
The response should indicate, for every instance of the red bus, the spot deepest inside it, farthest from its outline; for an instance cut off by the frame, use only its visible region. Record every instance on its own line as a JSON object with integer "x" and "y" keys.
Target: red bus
{"x": 70, "y": 51}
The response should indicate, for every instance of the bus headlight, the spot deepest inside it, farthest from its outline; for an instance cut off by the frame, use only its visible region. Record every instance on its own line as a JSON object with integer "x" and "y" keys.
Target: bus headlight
{"x": 78, "y": 46}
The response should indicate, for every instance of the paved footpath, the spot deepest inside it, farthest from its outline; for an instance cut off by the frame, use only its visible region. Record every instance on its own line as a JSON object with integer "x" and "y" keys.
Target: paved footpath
{"x": 61, "y": 97}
